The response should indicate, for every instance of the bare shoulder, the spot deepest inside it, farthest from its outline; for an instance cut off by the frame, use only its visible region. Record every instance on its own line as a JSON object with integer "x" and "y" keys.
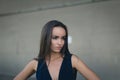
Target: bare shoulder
{"x": 28, "y": 70}
{"x": 78, "y": 64}
{"x": 33, "y": 63}
{"x": 75, "y": 59}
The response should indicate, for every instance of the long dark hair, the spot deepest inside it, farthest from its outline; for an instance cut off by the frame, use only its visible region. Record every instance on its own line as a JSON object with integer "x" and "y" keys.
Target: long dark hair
{"x": 45, "y": 42}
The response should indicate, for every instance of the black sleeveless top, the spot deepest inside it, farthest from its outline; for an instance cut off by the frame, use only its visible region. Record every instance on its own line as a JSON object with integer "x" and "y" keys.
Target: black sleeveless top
{"x": 66, "y": 71}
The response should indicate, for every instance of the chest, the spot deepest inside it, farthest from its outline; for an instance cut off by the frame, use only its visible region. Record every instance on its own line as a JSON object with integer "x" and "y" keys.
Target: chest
{"x": 61, "y": 70}
{"x": 54, "y": 68}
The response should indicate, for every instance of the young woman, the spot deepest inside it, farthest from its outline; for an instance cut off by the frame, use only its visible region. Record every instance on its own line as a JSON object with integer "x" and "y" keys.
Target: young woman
{"x": 54, "y": 61}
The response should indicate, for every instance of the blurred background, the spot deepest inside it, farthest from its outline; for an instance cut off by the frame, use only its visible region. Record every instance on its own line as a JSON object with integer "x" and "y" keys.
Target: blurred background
{"x": 93, "y": 25}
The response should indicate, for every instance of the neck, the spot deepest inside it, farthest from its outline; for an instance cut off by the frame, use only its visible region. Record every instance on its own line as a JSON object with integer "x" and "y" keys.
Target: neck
{"x": 54, "y": 56}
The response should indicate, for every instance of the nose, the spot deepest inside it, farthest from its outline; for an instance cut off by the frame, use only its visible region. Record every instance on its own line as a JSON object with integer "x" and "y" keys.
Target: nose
{"x": 60, "y": 41}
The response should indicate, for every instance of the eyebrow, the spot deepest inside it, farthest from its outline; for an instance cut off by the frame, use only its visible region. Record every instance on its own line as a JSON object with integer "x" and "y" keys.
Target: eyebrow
{"x": 58, "y": 36}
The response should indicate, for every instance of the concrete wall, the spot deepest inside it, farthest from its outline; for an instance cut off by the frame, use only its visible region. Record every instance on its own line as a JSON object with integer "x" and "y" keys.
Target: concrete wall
{"x": 95, "y": 31}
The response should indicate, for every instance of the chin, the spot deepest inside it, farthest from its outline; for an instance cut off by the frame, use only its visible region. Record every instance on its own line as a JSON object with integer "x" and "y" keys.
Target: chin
{"x": 57, "y": 51}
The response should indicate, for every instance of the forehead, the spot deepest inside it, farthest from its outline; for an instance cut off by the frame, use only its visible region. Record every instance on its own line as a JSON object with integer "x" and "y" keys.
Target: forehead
{"x": 58, "y": 31}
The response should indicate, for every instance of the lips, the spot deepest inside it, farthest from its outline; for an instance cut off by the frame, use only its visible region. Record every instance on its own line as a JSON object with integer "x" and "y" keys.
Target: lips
{"x": 59, "y": 48}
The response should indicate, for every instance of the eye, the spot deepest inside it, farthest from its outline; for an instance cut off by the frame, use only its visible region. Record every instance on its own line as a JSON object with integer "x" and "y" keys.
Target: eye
{"x": 64, "y": 37}
{"x": 55, "y": 37}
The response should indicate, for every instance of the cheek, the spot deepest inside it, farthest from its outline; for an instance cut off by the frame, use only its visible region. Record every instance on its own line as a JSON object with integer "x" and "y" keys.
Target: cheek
{"x": 63, "y": 42}
{"x": 53, "y": 43}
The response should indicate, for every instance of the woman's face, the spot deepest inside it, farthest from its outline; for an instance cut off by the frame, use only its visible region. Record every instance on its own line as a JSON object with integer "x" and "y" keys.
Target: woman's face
{"x": 58, "y": 39}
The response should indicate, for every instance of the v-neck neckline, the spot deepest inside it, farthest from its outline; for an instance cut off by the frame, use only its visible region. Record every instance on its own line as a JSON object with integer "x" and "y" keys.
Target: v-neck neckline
{"x": 59, "y": 69}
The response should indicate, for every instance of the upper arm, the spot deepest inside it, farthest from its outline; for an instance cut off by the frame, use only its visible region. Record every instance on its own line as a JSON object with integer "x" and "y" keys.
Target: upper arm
{"x": 83, "y": 68}
{"x": 29, "y": 69}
